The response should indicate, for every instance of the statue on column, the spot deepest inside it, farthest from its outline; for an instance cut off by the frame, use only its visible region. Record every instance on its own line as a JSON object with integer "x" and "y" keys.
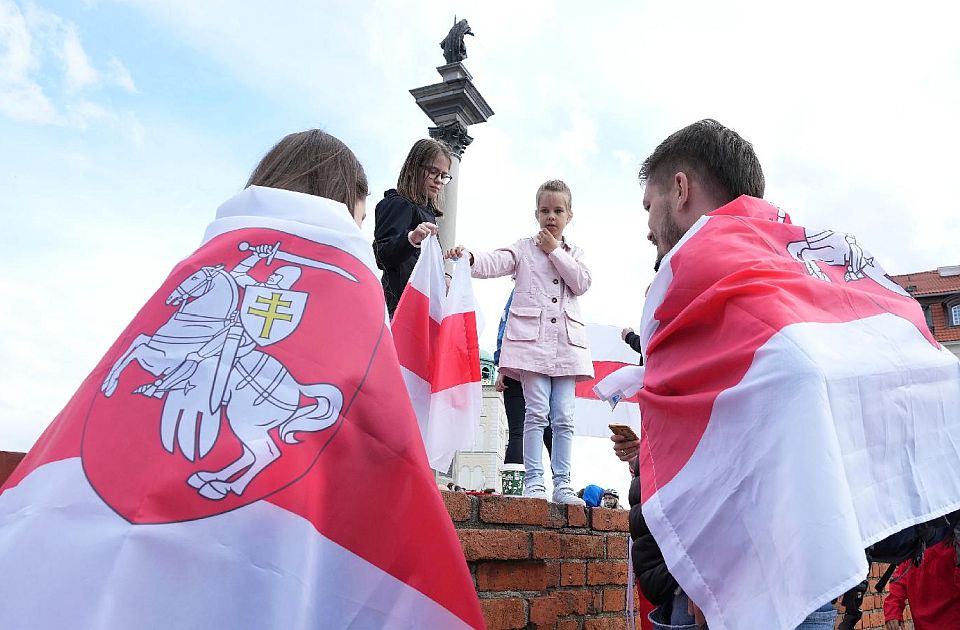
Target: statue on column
{"x": 454, "y": 50}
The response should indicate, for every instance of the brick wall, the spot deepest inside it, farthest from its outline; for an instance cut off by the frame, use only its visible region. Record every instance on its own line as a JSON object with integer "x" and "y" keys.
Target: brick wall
{"x": 541, "y": 565}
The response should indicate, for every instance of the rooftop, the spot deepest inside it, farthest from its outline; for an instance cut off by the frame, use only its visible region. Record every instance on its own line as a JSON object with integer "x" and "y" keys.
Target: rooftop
{"x": 942, "y": 280}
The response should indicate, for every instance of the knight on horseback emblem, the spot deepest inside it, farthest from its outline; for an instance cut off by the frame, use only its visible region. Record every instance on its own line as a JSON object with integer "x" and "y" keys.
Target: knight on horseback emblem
{"x": 840, "y": 250}
{"x": 208, "y": 358}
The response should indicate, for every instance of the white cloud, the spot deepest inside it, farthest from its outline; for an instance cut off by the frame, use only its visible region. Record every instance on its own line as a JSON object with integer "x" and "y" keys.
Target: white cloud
{"x": 79, "y": 73}
{"x": 120, "y": 76}
{"x": 40, "y": 50}
{"x": 21, "y": 98}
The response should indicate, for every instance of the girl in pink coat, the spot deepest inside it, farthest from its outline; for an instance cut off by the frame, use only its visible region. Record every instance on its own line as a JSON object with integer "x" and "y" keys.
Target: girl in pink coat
{"x": 545, "y": 342}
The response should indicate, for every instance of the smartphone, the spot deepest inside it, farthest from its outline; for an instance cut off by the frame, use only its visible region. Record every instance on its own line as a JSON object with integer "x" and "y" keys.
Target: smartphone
{"x": 624, "y": 430}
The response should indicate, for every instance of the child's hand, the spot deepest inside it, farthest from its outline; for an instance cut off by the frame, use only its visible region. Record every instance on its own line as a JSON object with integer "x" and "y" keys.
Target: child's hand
{"x": 456, "y": 252}
{"x": 421, "y": 232}
{"x": 546, "y": 241}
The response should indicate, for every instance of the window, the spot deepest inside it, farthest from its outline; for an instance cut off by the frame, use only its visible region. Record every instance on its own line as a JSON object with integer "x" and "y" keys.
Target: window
{"x": 955, "y": 315}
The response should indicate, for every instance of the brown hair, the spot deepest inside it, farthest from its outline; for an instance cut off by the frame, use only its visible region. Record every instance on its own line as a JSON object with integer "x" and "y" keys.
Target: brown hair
{"x": 723, "y": 161}
{"x": 315, "y": 163}
{"x": 558, "y": 186}
{"x": 410, "y": 183}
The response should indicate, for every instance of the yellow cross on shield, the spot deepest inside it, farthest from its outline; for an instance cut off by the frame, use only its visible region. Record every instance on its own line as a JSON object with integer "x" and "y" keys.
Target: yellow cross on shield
{"x": 271, "y": 314}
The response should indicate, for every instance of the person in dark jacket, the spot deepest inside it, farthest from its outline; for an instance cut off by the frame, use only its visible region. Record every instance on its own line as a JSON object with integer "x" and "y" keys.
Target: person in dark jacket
{"x": 408, "y": 214}
{"x": 513, "y": 402}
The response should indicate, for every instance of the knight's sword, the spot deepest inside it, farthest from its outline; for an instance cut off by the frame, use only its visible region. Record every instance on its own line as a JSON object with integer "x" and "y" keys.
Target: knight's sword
{"x": 278, "y": 254}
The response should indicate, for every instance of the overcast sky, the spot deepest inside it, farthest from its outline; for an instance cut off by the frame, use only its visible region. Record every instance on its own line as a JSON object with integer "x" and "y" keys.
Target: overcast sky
{"x": 124, "y": 124}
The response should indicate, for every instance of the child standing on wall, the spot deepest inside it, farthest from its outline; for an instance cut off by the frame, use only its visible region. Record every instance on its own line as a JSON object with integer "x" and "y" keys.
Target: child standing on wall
{"x": 545, "y": 343}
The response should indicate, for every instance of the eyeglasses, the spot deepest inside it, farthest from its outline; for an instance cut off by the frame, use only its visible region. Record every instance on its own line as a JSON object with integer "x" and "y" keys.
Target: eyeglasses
{"x": 433, "y": 173}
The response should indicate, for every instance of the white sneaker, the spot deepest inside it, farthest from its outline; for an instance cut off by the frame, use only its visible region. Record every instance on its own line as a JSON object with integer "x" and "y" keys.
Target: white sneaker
{"x": 566, "y": 495}
{"x": 535, "y": 491}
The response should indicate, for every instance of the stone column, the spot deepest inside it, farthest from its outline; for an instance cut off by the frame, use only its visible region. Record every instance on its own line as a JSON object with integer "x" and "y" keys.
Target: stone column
{"x": 455, "y": 136}
{"x": 452, "y": 105}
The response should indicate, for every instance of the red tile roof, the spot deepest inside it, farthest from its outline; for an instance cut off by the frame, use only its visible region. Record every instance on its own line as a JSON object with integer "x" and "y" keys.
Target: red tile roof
{"x": 928, "y": 283}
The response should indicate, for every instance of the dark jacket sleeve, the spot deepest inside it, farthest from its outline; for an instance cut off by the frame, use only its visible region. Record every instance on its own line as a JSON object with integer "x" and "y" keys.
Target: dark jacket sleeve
{"x": 633, "y": 340}
{"x": 656, "y": 583}
{"x": 394, "y": 219}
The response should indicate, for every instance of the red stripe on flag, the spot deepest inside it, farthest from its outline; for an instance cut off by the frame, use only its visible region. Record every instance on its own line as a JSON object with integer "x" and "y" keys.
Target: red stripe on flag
{"x": 413, "y": 330}
{"x": 444, "y": 355}
{"x": 457, "y": 359}
{"x": 601, "y": 370}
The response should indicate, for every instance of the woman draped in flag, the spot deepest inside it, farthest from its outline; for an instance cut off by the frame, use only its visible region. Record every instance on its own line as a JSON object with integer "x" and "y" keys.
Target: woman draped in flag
{"x": 205, "y": 474}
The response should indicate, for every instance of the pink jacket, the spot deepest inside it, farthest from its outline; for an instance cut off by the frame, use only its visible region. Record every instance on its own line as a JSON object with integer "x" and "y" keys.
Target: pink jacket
{"x": 545, "y": 332}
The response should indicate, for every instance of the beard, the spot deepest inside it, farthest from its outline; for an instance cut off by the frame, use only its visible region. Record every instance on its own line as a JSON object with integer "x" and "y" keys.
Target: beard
{"x": 670, "y": 235}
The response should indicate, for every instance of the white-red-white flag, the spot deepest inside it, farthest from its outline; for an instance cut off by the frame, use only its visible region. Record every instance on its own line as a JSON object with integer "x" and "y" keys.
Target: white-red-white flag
{"x": 795, "y": 408}
{"x": 436, "y": 336}
{"x": 244, "y": 456}
{"x": 593, "y": 414}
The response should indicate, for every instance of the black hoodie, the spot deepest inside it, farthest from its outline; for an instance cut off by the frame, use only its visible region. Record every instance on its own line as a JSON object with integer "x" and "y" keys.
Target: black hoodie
{"x": 395, "y": 217}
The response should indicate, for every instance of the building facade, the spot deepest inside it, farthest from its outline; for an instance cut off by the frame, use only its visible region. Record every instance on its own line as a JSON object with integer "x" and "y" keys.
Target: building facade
{"x": 938, "y": 292}
{"x": 478, "y": 467}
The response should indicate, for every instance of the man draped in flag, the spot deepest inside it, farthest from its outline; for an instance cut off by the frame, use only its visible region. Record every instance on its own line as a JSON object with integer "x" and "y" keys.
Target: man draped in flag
{"x": 795, "y": 409}
{"x": 436, "y": 337}
{"x": 225, "y": 464}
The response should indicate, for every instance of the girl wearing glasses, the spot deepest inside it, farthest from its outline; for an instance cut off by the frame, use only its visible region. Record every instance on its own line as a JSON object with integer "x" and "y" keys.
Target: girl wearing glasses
{"x": 408, "y": 214}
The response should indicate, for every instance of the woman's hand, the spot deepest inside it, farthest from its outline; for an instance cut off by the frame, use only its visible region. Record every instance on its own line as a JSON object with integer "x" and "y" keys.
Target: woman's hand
{"x": 456, "y": 252}
{"x": 499, "y": 385}
{"x": 421, "y": 232}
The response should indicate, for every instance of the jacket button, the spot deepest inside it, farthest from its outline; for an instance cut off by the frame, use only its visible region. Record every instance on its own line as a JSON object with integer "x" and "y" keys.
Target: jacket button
{"x": 555, "y": 281}
{"x": 553, "y": 320}
{"x": 554, "y": 300}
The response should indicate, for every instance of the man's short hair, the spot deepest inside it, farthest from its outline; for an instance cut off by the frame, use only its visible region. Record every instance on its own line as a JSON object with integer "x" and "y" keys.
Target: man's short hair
{"x": 722, "y": 161}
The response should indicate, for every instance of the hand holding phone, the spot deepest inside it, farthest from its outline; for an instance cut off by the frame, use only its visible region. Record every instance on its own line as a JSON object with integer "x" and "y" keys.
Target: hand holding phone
{"x": 624, "y": 431}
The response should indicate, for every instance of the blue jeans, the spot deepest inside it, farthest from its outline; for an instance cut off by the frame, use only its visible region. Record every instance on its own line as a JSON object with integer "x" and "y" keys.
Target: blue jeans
{"x": 822, "y": 618}
{"x": 550, "y": 402}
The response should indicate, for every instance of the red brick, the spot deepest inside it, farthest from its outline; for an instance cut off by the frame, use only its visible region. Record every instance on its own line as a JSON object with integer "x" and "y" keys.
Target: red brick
{"x": 553, "y": 574}
{"x": 616, "y": 546}
{"x": 574, "y": 602}
{"x": 543, "y": 612}
{"x": 459, "y": 506}
{"x": 569, "y": 624}
{"x": 605, "y": 623}
{"x": 504, "y": 614}
{"x": 606, "y": 520}
{"x": 573, "y": 574}
{"x": 576, "y": 516}
{"x": 558, "y": 516}
{"x": 606, "y": 573}
{"x": 513, "y": 510}
{"x": 614, "y": 599}
{"x": 494, "y": 544}
{"x": 581, "y": 546}
{"x": 546, "y": 545}
{"x": 512, "y": 576}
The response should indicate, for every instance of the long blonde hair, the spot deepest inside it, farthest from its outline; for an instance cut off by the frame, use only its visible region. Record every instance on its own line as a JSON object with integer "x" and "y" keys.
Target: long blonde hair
{"x": 410, "y": 183}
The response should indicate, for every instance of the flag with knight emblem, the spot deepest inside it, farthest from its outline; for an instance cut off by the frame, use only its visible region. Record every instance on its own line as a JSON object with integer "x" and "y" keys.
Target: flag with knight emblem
{"x": 795, "y": 410}
{"x": 244, "y": 456}
{"x": 436, "y": 334}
